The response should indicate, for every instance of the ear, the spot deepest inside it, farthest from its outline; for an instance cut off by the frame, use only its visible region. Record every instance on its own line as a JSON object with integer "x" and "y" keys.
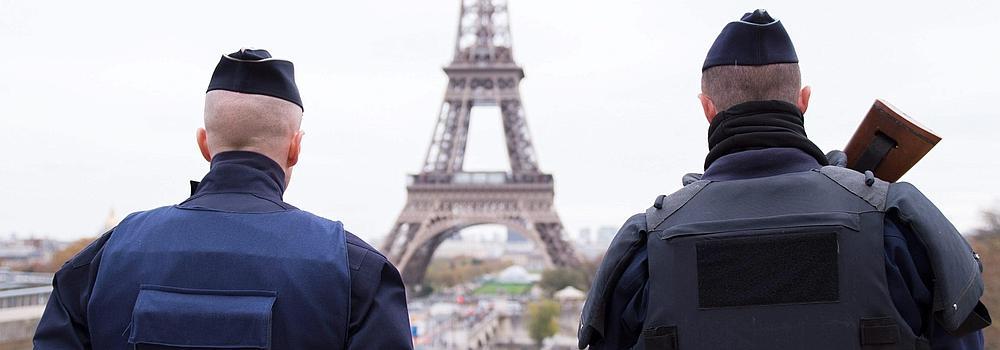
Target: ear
{"x": 708, "y": 106}
{"x": 203, "y": 144}
{"x": 804, "y": 98}
{"x": 295, "y": 148}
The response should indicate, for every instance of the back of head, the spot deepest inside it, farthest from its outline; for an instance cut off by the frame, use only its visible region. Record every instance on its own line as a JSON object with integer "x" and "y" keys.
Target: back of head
{"x": 250, "y": 122}
{"x": 752, "y": 59}
{"x": 728, "y": 86}
{"x": 253, "y": 104}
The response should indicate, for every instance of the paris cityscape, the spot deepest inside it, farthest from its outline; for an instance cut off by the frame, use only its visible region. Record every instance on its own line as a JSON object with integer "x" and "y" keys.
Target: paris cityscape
{"x": 497, "y": 229}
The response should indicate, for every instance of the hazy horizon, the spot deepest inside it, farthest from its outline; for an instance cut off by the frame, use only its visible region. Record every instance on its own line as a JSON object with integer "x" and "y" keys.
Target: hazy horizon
{"x": 99, "y": 102}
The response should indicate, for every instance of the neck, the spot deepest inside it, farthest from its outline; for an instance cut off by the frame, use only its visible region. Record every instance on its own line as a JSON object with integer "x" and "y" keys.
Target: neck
{"x": 277, "y": 159}
{"x": 236, "y": 170}
{"x": 759, "y": 125}
{"x": 240, "y": 181}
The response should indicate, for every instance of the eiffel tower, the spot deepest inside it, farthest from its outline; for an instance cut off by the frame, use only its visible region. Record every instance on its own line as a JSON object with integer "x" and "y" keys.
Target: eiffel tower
{"x": 443, "y": 199}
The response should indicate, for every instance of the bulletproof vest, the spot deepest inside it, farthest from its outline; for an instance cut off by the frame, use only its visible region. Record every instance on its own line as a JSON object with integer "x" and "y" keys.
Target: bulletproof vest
{"x": 180, "y": 278}
{"x": 793, "y": 261}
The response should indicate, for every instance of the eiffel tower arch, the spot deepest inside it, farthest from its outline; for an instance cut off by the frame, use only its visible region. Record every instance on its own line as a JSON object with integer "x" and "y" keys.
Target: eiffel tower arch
{"x": 443, "y": 199}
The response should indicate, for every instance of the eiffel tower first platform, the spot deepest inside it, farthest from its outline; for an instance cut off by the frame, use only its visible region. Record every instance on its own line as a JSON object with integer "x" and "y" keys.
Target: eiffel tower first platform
{"x": 443, "y": 199}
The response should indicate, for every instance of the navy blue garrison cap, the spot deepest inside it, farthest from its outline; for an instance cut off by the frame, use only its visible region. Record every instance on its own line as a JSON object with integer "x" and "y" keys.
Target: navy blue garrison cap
{"x": 255, "y": 72}
{"x": 754, "y": 40}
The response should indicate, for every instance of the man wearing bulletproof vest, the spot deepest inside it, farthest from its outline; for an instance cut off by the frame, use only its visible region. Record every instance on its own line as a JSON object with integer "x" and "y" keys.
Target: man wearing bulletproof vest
{"x": 772, "y": 247}
{"x": 234, "y": 266}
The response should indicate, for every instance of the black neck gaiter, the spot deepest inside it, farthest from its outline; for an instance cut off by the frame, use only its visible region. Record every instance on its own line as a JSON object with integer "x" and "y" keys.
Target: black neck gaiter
{"x": 757, "y": 125}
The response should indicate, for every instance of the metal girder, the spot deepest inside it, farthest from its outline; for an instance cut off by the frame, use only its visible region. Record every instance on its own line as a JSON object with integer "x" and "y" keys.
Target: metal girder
{"x": 483, "y": 32}
{"x": 434, "y": 212}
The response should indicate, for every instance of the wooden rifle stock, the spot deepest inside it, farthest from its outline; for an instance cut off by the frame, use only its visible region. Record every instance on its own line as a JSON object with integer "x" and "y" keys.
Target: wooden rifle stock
{"x": 888, "y": 143}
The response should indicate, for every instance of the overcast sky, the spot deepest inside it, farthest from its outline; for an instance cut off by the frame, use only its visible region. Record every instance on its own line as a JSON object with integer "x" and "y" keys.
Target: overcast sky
{"x": 99, "y": 101}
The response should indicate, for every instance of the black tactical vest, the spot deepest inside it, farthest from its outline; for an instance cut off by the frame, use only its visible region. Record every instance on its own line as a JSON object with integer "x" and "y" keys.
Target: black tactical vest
{"x": 793, "y": 261}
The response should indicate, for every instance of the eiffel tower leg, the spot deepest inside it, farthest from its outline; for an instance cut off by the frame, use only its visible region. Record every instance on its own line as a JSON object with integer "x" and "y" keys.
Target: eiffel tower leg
{"x": 559, "y": 251}
{"x": 519, "y": 147}
{"x": 461, "y": 136}
{"x": 447, "y": 150}
{"x": 402, "y": 232}
{"x": 390, "y": 239}
{"x": 416, "y": 268}
{"x": 418, "y": 250}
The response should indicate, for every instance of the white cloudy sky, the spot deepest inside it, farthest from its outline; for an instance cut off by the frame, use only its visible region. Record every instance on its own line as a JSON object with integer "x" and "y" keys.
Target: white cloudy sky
{"x": 99, "y": 101}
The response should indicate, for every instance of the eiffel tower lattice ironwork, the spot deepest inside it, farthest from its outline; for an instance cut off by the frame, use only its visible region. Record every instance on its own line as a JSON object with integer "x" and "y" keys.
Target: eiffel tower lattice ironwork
{"x": 443, "y": 199}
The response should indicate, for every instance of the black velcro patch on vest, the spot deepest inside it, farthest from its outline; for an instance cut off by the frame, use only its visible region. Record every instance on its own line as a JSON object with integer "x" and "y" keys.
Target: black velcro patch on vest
{"x": 791, "y": 268}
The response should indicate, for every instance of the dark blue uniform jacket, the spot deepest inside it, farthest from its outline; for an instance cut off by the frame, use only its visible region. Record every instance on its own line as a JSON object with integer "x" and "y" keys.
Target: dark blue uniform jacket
{"x": 907, "y": 266}
{"x": 238, "y": 182}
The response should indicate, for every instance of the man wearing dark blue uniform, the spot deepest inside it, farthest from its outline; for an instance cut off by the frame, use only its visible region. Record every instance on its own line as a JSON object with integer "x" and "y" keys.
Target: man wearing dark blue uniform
{"x": 233, "y": 266}
{"x": 775, "y": 246}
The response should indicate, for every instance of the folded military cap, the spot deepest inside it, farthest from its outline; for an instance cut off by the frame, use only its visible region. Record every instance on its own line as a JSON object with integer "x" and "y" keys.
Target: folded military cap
{"x": 754, "y": 40}
{"x": 256, "y": 72}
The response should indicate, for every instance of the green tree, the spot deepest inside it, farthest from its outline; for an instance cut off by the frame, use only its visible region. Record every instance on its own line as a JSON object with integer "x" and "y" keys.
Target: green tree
{"x": 562, "y": 277}
{"x": 543, "y": 320}
{"x": 448, "y": 272}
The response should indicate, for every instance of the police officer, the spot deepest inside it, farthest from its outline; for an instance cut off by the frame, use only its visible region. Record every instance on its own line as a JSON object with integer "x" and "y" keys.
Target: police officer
{"x": 233, "y": 266}
{"x": 773, "y": 248}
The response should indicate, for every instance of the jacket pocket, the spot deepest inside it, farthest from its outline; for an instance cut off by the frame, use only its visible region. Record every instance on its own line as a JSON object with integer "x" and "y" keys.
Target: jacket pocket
{"x": 177, "y": 318}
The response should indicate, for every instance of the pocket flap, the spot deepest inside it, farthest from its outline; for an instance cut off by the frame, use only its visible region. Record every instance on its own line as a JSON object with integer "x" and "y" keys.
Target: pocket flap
{"x": 198, "y": 318}
{"x": 851, "y": 221}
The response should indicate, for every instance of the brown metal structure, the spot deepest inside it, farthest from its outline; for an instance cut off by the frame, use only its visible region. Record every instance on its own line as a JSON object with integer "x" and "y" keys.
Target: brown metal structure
{"x": 443, "y": 199}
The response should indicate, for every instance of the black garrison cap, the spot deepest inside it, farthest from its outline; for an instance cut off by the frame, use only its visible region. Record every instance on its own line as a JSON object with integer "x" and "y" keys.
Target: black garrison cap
{"x": 255, "y": 72}
{"x": 754, "y": 40}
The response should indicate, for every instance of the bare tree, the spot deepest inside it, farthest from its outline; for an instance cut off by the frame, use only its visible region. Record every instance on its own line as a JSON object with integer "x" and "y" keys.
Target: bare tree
{"x": 991, "y": 221}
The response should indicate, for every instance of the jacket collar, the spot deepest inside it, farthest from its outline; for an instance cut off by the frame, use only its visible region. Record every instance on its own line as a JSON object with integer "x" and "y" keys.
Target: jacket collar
{"x": 760, "y": 163}
{"x": 250, "y": 174}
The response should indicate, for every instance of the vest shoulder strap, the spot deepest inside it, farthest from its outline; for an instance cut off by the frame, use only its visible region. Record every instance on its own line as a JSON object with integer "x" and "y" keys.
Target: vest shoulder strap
{"x": 958, "y": 281}
{"x": 864, "y": 185}
{"x": 665, "y": 205}
{"x": 629, "y": 240}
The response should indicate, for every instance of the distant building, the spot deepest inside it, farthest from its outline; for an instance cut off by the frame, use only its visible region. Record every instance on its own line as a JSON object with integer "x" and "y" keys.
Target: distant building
{"x": 27, "y": 254}
{"x": 593, "y": 243}
{"x": 605, "y": 234}
{"x": 517, "y": 274}
{"x": 456, "y": 246}
{"x": 585, "y": 236}
{"x": 514, "y": 237}
{"x": 570, "y": 294}
{"x": 110, "y": 222}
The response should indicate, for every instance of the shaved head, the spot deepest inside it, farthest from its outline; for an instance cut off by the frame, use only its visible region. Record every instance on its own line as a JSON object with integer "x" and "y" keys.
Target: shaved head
{"x": 723, "y": 87}
{"x": 728, "y": 86}
{"x": 238, "y": 121}
{"x": 248, "y": 122}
